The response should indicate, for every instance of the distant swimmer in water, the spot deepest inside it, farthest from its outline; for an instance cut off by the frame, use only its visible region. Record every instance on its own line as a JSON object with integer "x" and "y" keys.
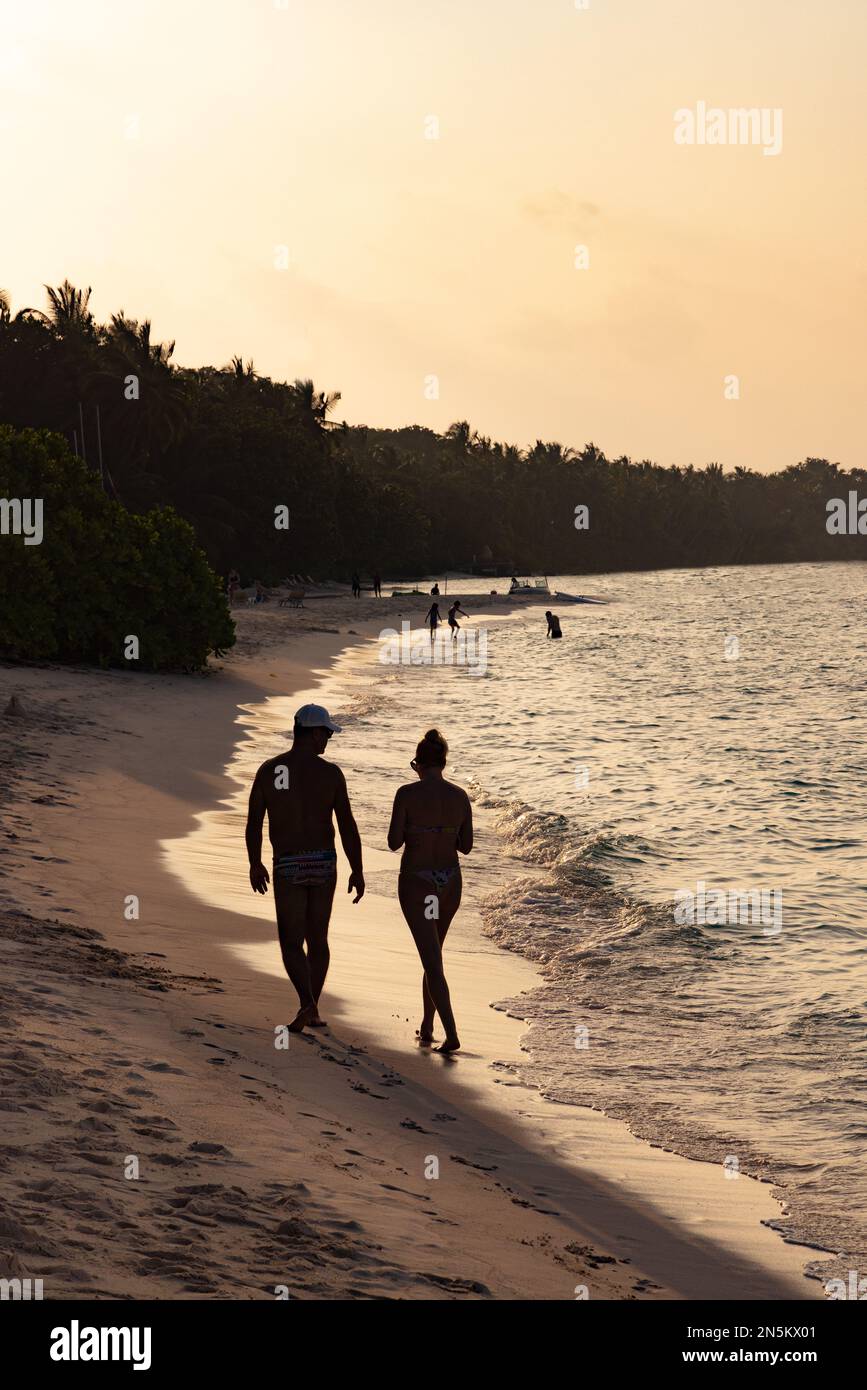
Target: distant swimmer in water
{"x": 300, "y": 793}
{"x": 453, "y": 619}
{"x": 553, "y": 625}
{"x": 433, "y": 618}
{"x": 432, "y": 819}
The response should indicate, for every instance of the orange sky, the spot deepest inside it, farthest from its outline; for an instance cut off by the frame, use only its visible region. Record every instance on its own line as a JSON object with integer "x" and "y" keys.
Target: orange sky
{"x": 160, "y": 150}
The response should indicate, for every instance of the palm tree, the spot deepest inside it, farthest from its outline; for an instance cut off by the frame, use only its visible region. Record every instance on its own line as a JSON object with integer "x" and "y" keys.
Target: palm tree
{"x": 313, "y": 406}
{"x": 462, "y": 434}
{"x": 145, "y": 426}
{"x": 68, "y": 311}
{"x": 243, "y": 373}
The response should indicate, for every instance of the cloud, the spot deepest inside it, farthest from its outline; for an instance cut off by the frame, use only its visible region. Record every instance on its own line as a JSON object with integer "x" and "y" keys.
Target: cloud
{"x": 554, "y": 208}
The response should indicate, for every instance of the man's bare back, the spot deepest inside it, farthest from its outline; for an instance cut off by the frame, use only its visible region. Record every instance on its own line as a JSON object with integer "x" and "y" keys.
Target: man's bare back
{"x": 300, "y": 795}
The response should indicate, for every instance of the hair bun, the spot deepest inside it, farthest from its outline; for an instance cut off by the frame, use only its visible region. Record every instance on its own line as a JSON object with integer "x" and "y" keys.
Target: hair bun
{"x": 433, "y": 750}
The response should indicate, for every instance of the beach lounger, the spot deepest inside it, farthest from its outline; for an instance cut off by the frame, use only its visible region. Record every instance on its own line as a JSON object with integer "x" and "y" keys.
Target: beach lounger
{"x": 294, "y": 599}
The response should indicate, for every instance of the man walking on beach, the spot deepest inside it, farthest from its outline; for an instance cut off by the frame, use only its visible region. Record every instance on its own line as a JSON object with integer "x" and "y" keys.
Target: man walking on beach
{"x": 301, "y": 793}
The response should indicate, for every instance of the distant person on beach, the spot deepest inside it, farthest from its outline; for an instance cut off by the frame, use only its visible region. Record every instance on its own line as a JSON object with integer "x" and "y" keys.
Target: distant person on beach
{"x": 432, "y": 819}
{"x": 377, "y": 585}
{"x": 301, "y": 793}
{"x": 514, "y": 585}
{"x": 553, "y": 625}
{"x": 433, "y": 618}
{"x": 356, "y": 584}
{"x": 453, "y": 620}
{"x": 435, "y": 591}
{"x": 234, "y": 584}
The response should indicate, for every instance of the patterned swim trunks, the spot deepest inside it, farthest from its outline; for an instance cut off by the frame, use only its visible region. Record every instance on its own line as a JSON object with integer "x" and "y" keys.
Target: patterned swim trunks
{"x": 310, "y": 867}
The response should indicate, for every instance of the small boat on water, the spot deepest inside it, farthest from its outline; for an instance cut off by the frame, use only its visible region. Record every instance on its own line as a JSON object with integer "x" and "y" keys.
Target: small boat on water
{"x": 539, "y": 588}
{"x": 530, "y": 588}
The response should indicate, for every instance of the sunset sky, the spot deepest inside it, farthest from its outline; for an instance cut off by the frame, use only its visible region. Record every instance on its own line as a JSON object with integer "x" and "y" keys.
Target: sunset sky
{"x": 160, "y": 150}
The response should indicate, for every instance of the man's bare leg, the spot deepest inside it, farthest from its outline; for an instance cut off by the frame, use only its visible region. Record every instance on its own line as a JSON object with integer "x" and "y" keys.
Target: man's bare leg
{"x": 291, "y": 902}
{"x": 319, "y": 901}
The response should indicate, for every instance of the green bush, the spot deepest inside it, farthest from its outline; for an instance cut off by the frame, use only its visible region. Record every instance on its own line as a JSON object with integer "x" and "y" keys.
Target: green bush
{"x": 101, "y": 573}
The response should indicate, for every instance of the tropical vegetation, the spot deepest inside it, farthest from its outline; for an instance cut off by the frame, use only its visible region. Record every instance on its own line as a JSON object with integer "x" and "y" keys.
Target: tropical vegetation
{"x": 226, "y": 446}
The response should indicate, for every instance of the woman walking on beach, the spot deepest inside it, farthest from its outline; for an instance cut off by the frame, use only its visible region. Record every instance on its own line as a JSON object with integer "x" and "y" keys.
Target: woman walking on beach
{"x": 433, "y": 618}
{"x": 432, "y": 819}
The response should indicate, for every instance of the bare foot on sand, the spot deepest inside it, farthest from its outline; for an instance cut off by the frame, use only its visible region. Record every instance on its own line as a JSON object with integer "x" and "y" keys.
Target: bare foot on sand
{"x": 303, "y": 1018}
{"x": 316, "y": 1021}
{"x": 424, "y": 1036}
{"x": 450, "y": 1045}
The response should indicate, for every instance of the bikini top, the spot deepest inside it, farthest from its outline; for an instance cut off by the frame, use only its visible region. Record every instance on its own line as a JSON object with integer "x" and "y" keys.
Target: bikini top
{"x": 434, "y": 828}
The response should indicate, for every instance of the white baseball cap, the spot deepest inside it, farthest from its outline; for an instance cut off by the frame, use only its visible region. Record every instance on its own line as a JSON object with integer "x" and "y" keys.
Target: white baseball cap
{"x": 315, "y": 717}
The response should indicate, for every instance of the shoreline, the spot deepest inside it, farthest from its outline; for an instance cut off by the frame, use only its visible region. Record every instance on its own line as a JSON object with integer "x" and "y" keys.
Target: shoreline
{"x": 499, "y": 1155}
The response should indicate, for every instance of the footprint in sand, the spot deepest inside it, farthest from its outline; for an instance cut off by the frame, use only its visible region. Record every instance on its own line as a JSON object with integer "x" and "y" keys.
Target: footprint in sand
{"x": 365, "y": 1090}
{"x": 530, "y": 1206}
{"x": 105, "y": 1107}
{"x": 390, "y": 1187}
{"x": 92, "y": 1123}
{"x": 459, "y": 1285}
{"x": 329, "y": 1056}
{"x": 483, "y": 1168}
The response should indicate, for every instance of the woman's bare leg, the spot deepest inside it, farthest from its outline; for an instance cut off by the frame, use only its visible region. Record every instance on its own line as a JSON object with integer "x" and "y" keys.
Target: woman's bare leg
{"x": 428, "y": 1007}
{"x": 429, "y": 935}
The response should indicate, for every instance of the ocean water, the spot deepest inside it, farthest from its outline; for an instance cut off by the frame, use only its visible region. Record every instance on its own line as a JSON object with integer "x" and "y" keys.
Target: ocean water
{"x": 703, "y": 727}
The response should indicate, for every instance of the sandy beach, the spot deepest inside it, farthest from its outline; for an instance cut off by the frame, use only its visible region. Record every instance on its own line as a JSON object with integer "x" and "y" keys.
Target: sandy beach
{"x": 158, "y": 1144}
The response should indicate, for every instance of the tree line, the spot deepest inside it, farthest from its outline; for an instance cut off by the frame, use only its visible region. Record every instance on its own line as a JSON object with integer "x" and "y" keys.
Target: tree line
{"x": 223, "y": 447}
